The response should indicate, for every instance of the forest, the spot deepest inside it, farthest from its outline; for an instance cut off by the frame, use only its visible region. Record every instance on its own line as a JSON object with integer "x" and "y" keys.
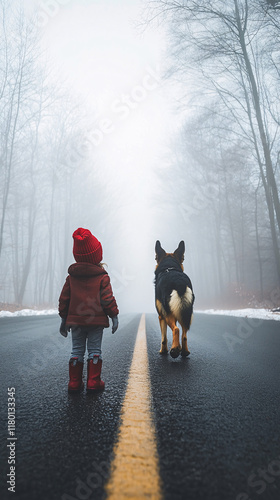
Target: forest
{"x": 225, "y": 159}
{"x": 215, "y": 182}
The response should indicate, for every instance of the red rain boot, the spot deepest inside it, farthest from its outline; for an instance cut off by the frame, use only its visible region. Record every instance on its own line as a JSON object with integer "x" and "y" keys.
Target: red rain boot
{"x": 75, "y": 374}
{"x": 94, "y": 382}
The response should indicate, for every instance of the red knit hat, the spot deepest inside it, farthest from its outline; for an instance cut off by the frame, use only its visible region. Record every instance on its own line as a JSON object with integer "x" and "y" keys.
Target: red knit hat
{"x": 86, "y": 247}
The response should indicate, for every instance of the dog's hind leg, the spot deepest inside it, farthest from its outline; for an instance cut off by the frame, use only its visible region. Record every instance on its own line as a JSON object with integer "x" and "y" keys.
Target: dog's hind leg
{"x": 185, "y": 352}
{"x": 176, "y": 347}
{"x": 163, "y": 327}
{"x": 185, "y": 328}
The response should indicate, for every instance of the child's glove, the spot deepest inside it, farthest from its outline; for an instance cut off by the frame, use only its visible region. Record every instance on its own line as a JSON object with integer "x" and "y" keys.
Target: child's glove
{"x": 115, "y": 324}
{"x": 63, "y": 330}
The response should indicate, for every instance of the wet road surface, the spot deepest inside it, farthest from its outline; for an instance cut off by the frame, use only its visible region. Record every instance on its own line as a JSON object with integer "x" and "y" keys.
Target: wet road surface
{"x": 216, "y": 413}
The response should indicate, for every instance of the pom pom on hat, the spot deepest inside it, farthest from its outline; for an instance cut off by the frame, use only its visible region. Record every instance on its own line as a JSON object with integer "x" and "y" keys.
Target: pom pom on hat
{"x": 86, "y": 247}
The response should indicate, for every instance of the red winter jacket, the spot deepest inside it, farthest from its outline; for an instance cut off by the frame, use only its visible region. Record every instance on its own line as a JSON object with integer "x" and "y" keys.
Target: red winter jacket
{"x": 87, "y": 297}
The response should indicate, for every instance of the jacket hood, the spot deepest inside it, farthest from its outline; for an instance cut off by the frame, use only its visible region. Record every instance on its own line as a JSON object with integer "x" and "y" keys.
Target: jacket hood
{"x": 85, "y": 269}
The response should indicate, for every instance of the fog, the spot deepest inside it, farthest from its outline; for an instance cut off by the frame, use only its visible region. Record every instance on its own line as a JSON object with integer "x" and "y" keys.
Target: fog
{"x": 107, "y": 125}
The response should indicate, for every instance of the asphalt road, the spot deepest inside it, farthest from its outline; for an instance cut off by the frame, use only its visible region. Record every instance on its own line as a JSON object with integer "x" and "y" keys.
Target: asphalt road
{"x": 217, "y": 413}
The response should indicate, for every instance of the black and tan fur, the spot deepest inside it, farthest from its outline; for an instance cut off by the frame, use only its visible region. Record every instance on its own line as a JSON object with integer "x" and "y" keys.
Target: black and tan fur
{"x": 174, "y": 298}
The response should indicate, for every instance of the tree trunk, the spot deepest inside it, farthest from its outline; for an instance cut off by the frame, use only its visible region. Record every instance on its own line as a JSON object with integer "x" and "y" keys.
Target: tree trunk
{"x": 256, "y": 102}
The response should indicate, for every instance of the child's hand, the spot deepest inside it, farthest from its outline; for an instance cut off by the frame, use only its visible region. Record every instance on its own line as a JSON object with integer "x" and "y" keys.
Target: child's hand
{"x": 115, "y": 324}
{"x": 63, "y": 329}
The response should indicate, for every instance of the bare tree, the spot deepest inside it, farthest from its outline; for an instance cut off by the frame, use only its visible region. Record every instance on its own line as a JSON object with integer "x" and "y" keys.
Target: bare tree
{"x": 224, "y": 49}
{"x": 18, "y": 54}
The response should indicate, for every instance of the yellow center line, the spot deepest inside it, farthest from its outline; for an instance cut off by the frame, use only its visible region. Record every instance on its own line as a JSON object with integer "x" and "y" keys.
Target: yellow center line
{"x": 135, "y": 471}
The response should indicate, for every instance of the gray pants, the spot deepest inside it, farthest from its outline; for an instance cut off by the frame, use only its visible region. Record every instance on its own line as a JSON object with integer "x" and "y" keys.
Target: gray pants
{"x": 86, "y": 336}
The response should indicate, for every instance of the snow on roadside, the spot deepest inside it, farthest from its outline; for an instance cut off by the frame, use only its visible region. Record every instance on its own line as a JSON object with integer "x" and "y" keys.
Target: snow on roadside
{"x": 244, "y": 313}
{"x": 28, "y": 312}
{"x": 247, "y": 313}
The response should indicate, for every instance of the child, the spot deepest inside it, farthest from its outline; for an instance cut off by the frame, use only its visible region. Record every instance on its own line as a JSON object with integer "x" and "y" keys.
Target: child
{"x": 85, "y": 303}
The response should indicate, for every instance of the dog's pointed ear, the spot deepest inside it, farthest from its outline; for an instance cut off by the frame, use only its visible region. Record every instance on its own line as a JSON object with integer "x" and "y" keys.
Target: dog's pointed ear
{"x": 179, "y": 253}
{"x": 159, "y": 251}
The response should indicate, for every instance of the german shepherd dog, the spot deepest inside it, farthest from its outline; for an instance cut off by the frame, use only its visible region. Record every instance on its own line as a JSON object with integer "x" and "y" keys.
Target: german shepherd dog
{"x": 174, "y": 298}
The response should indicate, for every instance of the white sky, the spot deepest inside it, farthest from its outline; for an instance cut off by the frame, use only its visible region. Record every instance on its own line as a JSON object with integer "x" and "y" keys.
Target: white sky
{"x": 97, "y": 43}
{"x": 115, "y": 67}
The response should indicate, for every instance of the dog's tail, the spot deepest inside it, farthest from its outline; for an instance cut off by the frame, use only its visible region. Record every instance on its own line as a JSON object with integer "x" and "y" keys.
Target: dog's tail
{"x": 181, "y": 306}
